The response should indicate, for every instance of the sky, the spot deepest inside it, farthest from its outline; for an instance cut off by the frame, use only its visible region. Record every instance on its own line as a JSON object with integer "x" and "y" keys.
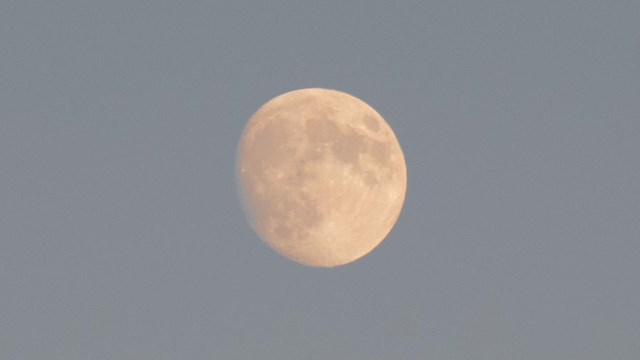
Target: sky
{"x": 121, "y": 236}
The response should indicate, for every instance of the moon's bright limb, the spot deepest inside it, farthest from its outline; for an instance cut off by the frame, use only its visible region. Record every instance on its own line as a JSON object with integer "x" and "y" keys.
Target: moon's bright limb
{"x": 321, "y": 175}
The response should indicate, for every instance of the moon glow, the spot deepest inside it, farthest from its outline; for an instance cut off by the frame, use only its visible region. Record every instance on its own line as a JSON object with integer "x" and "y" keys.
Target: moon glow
{"x": 321, "y": 176}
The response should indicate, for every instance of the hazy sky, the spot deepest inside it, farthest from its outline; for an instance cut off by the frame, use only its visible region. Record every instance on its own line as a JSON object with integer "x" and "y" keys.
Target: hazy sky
{"x": 121, "y": 236}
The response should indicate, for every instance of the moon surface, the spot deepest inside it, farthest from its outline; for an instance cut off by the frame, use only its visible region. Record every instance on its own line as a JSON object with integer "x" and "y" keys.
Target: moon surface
{"x": 321, "y": 176}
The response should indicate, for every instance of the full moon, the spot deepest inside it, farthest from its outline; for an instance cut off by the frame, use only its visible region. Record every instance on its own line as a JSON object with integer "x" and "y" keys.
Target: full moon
{"x": 321, "y": 176}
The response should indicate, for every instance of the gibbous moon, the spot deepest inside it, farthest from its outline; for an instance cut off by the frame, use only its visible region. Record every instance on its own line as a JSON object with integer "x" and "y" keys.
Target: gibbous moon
{"x": 321, "y": 176}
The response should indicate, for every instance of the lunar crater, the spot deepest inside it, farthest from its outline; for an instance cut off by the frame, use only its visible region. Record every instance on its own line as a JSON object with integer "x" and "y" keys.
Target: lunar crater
{"x": 371, "y": 123}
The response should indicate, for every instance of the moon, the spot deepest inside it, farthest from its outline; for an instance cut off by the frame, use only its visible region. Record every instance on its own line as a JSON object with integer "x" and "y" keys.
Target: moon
{"x": 321, "y": 176}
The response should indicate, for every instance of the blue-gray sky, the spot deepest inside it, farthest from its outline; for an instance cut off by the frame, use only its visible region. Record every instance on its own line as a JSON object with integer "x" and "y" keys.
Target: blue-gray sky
{"x": 121, "y": 236}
